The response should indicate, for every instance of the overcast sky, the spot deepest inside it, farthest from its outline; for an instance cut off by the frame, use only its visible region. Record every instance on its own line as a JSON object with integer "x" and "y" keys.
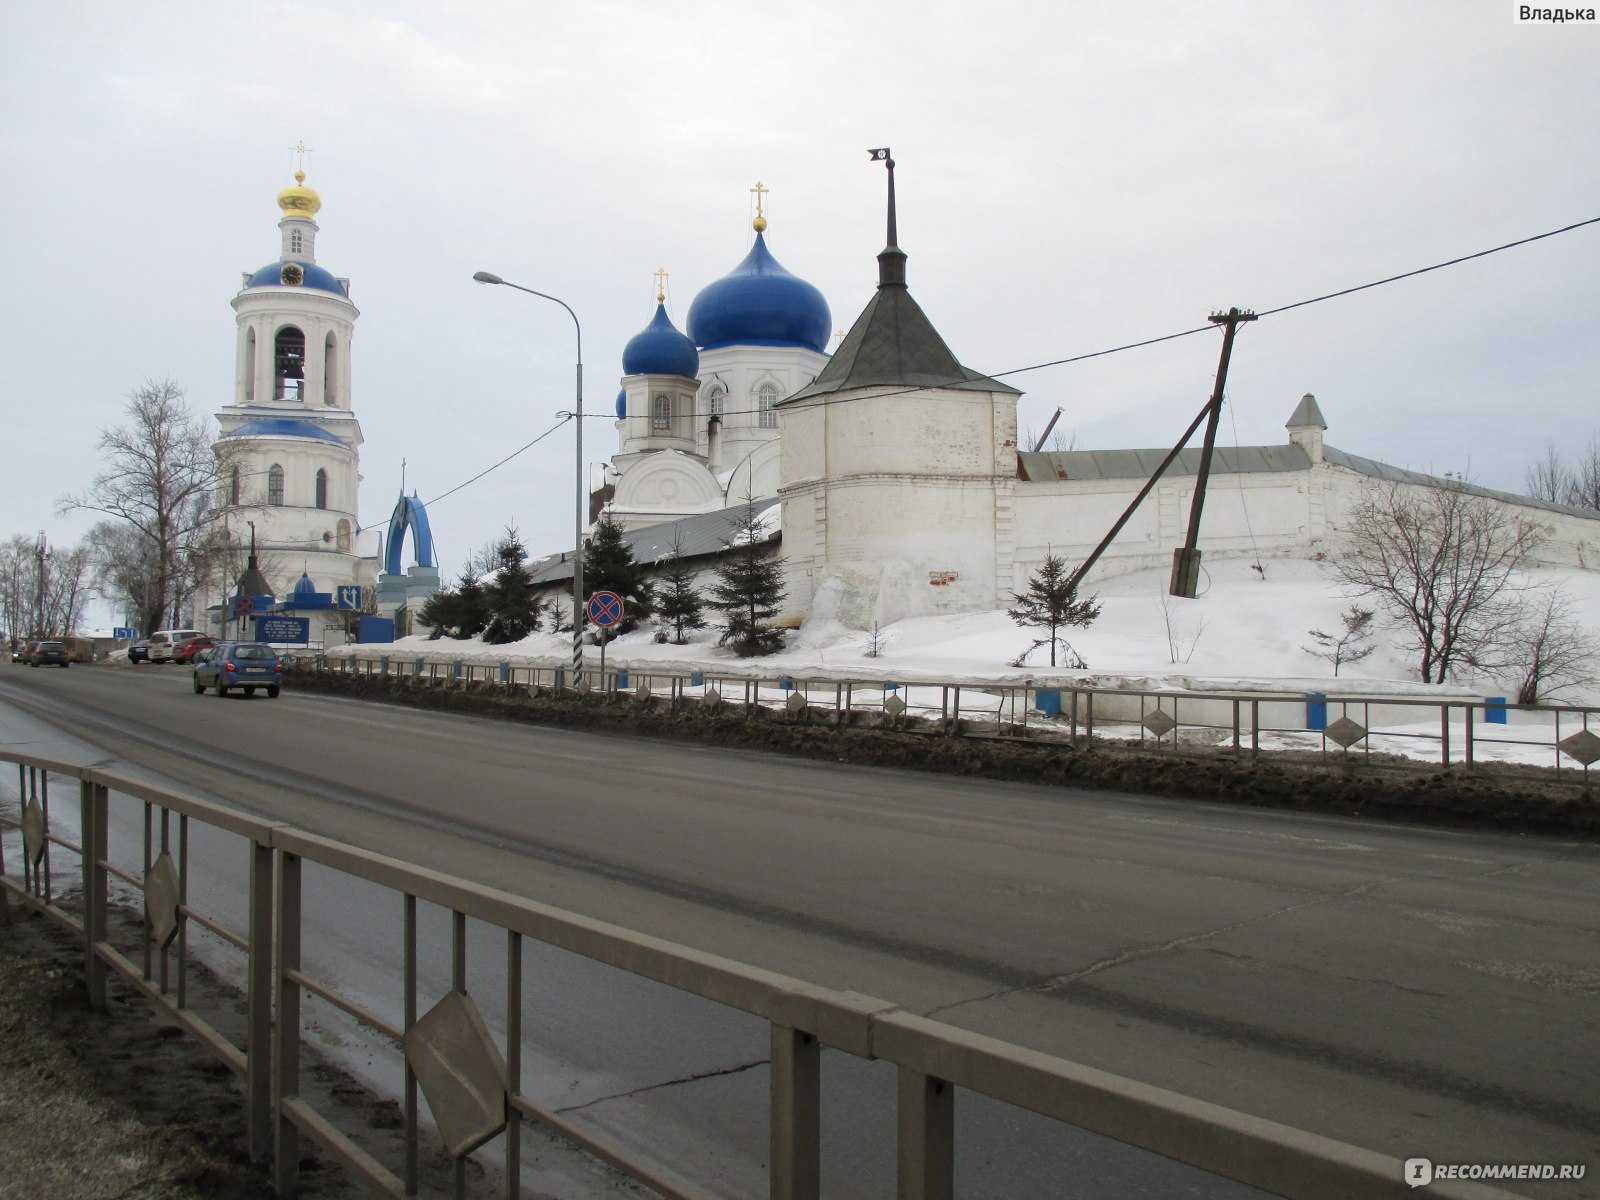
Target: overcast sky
{"x": 1070, "y": 176}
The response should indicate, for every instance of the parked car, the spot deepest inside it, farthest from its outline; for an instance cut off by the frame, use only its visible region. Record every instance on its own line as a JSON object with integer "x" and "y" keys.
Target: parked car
{"x": 52, "y": 654}
{"x": 19, "y": 652}
{"x": 164, "y": 641}
{"x": 186, "y": 650}
{"x": 140, "y": 651}
{"x": 239, "y": 666}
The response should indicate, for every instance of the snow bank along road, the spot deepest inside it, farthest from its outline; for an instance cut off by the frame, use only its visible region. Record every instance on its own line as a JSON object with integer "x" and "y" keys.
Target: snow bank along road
{"x": 1415, "y": 991}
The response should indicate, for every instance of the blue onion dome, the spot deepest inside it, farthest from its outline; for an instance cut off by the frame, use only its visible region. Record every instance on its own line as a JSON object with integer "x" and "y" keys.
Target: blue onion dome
{"x": 622, "y": 402}
{"x": 758, "y": 303}
{"x": 659, "y": 349}
{"x": 304, "y": 587}
{"x": 288, "y": 272}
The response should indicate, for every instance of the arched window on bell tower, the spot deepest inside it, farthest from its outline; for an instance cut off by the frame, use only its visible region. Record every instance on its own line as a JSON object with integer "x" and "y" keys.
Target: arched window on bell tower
{"x": 289, "y": 363}
{"x": 322, "y": 489}
{"x": 330, "y": 375}
{"x": 249, "y": 368}
{"x": 233, "y": 486}
{"x": 275, "y": 484}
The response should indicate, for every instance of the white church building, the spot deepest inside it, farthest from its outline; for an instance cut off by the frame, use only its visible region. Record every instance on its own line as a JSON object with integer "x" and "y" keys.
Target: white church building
{"x": 891, "y": 474}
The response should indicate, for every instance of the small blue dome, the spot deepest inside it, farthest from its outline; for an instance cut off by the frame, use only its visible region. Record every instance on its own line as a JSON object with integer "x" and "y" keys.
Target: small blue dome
{"x": 622, "y": 402}
{"x": 283, "y": 427}
{"x": 314, "y": 277}
{"x": 759, "y": 303}
{"x": 305, "y": 587}
{"x": 659, "y": 349}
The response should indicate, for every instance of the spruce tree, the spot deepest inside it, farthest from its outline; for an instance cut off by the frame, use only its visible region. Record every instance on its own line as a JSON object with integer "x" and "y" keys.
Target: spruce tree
{"x": 608, "y": 566}
{"x": 678, "y": 601}
{"x": 509, "y": 598}
{"x": 472, "y": 611}
{"x": 439, "y": 612}
{"x": 749, "y": 589}
{"x": 1051, "y": 602}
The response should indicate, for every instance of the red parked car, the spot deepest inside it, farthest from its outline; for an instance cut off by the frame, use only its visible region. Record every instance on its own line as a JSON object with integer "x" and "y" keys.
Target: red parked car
{"x": 185, "y": 651}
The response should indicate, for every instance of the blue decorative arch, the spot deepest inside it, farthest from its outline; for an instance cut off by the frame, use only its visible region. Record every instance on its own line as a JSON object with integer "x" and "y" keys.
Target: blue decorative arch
{"x": 409, "y": 514}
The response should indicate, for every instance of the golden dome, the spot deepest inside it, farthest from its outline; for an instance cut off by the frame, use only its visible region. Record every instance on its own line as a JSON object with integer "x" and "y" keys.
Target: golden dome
{"x": 299, "y": 200}
{"x": 759, "y": 224}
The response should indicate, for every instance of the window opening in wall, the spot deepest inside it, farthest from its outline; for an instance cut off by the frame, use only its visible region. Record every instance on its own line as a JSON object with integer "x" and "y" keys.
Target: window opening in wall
{"x": 766, "y": 397}
{"x": 249, "y": 366}
{"x": 343, "y": 534}
{"x": 322, "y": 489}
{"x": 275, "y": 485}
{"x": 233, "y": 486}
{"x": 661, "y": 413}
{"x": 290, "y": 363}
{"x": 330, "y": 373}
{"x": 294, "y": 241}
{"x": 718, "y": 400}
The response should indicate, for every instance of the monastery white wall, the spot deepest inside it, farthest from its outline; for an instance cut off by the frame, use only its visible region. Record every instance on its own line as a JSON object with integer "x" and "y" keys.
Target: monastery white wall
{"x": 897, "y": 506}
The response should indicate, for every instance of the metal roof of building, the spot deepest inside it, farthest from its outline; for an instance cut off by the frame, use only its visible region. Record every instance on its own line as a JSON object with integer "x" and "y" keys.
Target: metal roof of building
{"x": 695, "y": 537}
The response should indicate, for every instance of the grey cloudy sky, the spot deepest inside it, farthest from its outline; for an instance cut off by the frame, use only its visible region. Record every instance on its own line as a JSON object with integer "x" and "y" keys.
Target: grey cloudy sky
{"x": 1071, "y": 177}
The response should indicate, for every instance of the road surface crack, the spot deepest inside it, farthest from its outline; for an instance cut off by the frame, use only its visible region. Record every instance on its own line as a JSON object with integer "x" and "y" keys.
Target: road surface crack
{"x": 666, "y": 1083}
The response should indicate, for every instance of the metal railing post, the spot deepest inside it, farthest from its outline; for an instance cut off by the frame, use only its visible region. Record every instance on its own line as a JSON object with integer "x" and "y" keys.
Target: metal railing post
{"x": 796, "y": 1115}
{"x": 96, "y": 843}
{"x": 513, "y": 1063}
{"x": 286, "y": 1031}
{"x": 926, "y": 1141}
{"x": 258, "y": 1036}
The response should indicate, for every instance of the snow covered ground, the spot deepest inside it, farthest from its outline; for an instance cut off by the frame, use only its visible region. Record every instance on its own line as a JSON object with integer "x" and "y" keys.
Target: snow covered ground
{"x": 1248, "y": 632}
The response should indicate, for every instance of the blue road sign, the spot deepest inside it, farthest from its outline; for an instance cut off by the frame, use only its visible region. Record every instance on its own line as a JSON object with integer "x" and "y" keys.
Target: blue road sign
{"x": 293, "y": 631}
{"x": 125, "y": 633}
{"x": 605, "y": 609}
{"x": 348, "y": 595}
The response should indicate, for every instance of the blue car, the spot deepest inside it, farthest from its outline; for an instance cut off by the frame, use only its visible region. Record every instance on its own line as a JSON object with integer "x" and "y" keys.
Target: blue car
{"x": 239, "y": 666}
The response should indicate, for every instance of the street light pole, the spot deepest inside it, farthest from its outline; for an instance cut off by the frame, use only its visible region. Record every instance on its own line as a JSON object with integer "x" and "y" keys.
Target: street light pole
{"x": 582, "y": 489}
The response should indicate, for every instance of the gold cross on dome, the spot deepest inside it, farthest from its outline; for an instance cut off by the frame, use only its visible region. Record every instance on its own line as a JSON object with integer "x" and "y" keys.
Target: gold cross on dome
{"x": 300, "y": 148}
{"x": 661, "y": 285}
{"x": 759, "y": 192}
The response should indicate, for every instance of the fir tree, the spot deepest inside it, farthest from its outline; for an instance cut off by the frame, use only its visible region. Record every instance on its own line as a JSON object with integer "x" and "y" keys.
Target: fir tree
{"x": 1051, "y": 602}
{"x": 608, "y": 566}
{"x": 472, "y": 610}
{"x": 509, "y": 597}
{"x": 438, "y": 612}
{"x": 678, "y": 601}
{"x": 749, "y": 589}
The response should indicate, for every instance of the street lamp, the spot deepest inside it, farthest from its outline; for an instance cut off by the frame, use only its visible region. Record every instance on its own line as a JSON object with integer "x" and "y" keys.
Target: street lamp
{"x": 577, "y": 420}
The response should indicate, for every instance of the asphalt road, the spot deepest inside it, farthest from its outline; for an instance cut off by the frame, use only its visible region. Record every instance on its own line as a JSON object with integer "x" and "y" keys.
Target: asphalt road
{"x": 1411, "y": 990}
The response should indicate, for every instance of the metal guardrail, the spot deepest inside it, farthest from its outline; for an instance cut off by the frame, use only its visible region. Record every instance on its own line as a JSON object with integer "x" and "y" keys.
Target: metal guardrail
{"x": 474, "y": 1084}
{"x": 1341, "y": 727}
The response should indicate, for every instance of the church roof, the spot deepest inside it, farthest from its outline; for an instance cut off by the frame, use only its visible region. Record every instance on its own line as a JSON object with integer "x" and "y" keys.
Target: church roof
{"x": 312, "y": 276}
{"x": 758, "y": 303}
{"x": 659, "y": 349}
{"x": 695, "y": 537}
{"x": 892, "y": 343}
{"x": 284, "y": 427}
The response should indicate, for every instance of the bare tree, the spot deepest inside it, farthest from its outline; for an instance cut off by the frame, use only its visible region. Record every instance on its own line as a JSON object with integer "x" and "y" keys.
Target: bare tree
{"x": 158, "y": 474}
{"x": 1549, "y": 479}
{"x": 1182, "y": 639}
{"x": 1443, "y": 564}
{"x": 1584, "y": 489}
{"x": 1549, "y": 650}
{"x": 41, "y": 587}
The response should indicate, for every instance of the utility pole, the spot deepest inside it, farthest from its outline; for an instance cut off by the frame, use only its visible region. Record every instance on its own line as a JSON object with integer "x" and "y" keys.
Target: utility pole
{"x": 1186, "y": 559}
{"x": 38, "y": 608}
